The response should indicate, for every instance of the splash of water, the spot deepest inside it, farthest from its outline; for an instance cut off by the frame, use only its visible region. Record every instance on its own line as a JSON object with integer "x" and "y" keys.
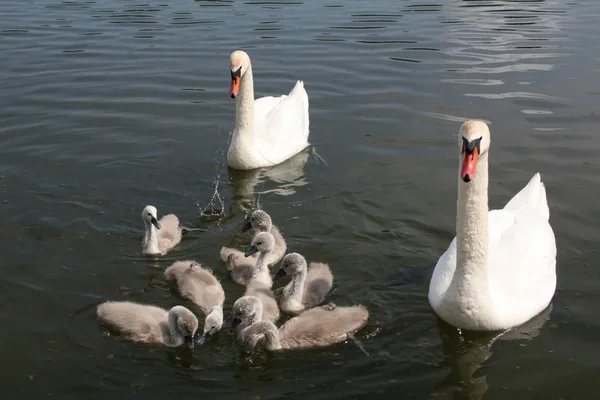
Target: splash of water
{"x": 215, "y": 209}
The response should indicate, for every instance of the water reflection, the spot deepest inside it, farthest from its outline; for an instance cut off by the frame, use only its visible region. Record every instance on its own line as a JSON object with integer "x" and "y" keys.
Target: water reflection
{"x": 466, "y": 351}
{"x": 286, "y": 176}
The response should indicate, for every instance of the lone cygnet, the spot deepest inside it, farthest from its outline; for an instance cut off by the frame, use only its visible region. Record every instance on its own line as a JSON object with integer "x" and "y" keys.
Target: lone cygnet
{"x": 307, "y": 289}
{"x": 244, "y": 273}
{"x": 150, "y": 324}
{"x": 259, "y": 221}
{"x": 200, "y": 286}
{"x": 161, "y": 236}
{"x": 317, "y": 327}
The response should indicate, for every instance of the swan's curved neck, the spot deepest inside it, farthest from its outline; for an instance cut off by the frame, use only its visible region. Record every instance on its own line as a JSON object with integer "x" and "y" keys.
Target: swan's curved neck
{"x": 272, "y": 340}
{"x": 151, "y": 239}
{"x": 251, "y": 320}
{"x": 244, "y": 105}
{"x": 175, "y": 337}
{"x": 216, "y": 311}
{"x": 294, "y": 289}
{"x": 471, "y": 275}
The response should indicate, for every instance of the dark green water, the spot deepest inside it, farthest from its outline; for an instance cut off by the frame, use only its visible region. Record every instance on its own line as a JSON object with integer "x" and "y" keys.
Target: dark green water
{"x": 106, "y": 106}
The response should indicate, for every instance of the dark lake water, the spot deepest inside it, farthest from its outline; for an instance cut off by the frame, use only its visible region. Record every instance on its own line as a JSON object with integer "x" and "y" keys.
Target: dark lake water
{"x": 106, "y": 106}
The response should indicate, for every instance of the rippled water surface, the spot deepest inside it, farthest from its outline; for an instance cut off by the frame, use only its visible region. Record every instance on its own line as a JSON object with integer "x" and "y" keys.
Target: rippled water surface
{"x": 106, "y": 106}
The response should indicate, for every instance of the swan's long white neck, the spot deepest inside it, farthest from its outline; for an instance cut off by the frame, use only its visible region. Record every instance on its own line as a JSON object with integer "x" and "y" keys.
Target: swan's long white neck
{"x": 470, "y": 276}
{"x": 150, "y": 239}
{"x": 294, "y": 290}
{"x": 244, "y": 106}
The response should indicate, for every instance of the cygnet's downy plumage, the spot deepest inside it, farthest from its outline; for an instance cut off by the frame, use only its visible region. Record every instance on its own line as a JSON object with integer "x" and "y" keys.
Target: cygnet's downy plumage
{"x": 244, "y": 273}
{"x": 161, "y": 235}
{"x": 263, "y": 293}
{"x": 150, "y": 324}
{"x": 200, "y": 286}
{"x": 259, "y": 221}
{"x": 317, "y": 327}
{"x": 307, "y": 288}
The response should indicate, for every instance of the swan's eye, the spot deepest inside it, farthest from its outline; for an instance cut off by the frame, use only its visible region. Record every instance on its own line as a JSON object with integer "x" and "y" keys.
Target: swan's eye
{"x": 149, "y": 214}
{"x": 259, "y": 243}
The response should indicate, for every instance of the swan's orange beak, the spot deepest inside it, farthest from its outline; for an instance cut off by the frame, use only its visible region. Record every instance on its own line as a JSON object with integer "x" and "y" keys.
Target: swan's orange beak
{"x": 469, "y": 166}
{"x": 235, "y": 86}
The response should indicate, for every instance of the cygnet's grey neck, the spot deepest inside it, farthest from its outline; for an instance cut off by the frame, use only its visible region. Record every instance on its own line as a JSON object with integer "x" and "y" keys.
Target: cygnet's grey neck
{"x": 261, "y": 262}
{"x": 295, "y": 288}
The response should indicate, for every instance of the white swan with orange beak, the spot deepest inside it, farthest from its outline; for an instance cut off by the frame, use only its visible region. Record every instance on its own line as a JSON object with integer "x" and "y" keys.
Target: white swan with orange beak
{"x": 268, "y": 130}
{"x": 500, "y": 269}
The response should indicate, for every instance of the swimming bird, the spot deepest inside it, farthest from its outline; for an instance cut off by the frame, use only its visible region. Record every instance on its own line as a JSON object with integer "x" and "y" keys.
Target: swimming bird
{"x": 260, "y": 221}
{"x": 200, "y": 286}
{"x": 318, "y": 327}
{"x": 243, "y": 273}
{"x": 268, "y": 130}
{"x": 308, "y": 287}
{"x": 150, "y": 324}
{"x": 161, "y": 236}
{"x": 500, "y": 269}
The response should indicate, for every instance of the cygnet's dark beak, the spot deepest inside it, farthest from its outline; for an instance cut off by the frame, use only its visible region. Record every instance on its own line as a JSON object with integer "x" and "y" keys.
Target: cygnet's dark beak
{"x": 155, "y": 223}
{"x": 189, "y": 341}
{"x": 234, "y": 325}
{"x": 246, "y": 227}
{"x": 203, "y": 338}
{"x": 251, "y": 250}
{"x": 280, "y": 274}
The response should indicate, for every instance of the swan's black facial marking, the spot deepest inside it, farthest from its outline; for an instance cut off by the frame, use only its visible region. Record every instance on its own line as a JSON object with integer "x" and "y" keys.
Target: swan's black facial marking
{"x": 155, "y": 222}
{"x": 280, "y": 274}
{"x": 236, "y": 74}
{"x": 470, "y": 147}
{"x": 251, "y": 250}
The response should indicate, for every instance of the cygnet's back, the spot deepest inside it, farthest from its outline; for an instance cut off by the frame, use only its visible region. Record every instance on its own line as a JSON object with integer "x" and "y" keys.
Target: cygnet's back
{"x": 264, "y": 293}
{"x": 317, "y": 285}
{"x": 170, "y": 233}
{"x": 150, "y": 324}
{"x": 196, "y": 284}
{"x": 322, "y": 326}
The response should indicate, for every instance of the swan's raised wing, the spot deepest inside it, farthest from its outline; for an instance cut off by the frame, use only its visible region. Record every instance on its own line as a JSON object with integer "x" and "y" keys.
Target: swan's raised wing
{"x": 283, "y": 131}
{"x": 442, "y": 274}
{"x": 533, "y": 195}
{"x": 264, "y": 105}
{"x": 522, "y": 262}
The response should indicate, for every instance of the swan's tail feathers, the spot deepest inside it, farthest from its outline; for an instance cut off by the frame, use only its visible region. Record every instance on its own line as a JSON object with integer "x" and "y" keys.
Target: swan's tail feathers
{"x": 299, "y": 92}
{"x": 544, "y": 202}
{"x": 534, "y": 194}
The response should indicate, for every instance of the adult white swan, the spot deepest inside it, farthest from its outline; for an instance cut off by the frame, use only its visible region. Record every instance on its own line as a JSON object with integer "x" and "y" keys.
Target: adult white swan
{"x": 500, "y": 269}
{"x": 268, "y": 130}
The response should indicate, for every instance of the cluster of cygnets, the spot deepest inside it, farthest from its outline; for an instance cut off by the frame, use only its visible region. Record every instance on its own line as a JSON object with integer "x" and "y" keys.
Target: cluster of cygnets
{"x": 497, "y": 273}
{"x": 254, "y": 314}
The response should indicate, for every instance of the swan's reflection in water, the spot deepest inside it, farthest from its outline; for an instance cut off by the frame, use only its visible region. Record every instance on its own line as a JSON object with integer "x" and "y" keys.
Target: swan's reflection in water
{"x": 248, "y": 186}
{"x": 466, "y": 351}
